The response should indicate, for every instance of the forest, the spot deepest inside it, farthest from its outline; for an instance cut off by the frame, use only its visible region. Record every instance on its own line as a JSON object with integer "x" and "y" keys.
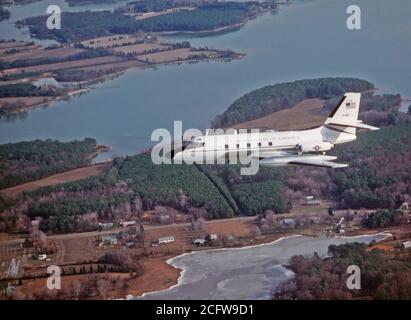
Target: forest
{"x": 384, "y": 218}
{"x": 205, "y": 17}
{"x": 377, "y": 178}
{"x": 173, "y": 185}
{"x": 24, "y": 90}
{"x": 272, "y": 98}
{"x": 383, "y": 276}
{"x": 31, "y": 160}
{"x": 85, "y": 25}
{"x": 4, "y": 14}
{"x": 135, "y": 184}
{"x": 73, "y": 3}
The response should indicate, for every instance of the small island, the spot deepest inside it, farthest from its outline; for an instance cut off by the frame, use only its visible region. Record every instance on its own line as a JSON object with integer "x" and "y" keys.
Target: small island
{"x": 157, "y": 16}
{"x": 95, "y": 46}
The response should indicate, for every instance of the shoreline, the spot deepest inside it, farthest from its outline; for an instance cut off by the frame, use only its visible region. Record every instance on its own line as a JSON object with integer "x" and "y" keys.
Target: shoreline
{"x": 182, "y": 270}
{"x": 109, "y": 77}
{"x": 204, "y": 33}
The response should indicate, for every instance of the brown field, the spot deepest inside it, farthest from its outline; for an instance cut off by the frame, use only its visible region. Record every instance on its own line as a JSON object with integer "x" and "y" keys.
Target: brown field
{"x": 172, "y": 55}
{"x": 21, "y": 49}
{"x": 68, "y": 176}
{"x": 158, "y": 275}
{"x": 115, "y": 66}
{"x": 139, "y": 48}
{"x": 159, "y": 13}
{"x": 306, "y": 114}
{"x": 110, "y": 41}
{"x": 24, "y": 102}
{"x": 234, "y": 227}
{"x": 37, "y": 52}
{"x": 148, "y": 15}
{"x": 78, "y": 249}
{"x": 383, "y": 247}
{"x": 67, "y": 65}
{"x": 12, "y": 44}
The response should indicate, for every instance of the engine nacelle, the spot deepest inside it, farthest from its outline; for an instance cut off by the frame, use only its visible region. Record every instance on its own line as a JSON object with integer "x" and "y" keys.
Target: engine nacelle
{"x": 315, "y": 147}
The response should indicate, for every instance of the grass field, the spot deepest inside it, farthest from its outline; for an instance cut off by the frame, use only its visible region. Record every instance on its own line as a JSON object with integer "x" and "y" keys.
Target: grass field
{"x": 111, "y": 41}
{"x": 173, "y": 55}
{"x": 37, "y": 52}
{"x": 68, "y": 176}
{"x": 66, "y": 65}
{"x": 139, "y": 48}
{"x": 306, "y": 114}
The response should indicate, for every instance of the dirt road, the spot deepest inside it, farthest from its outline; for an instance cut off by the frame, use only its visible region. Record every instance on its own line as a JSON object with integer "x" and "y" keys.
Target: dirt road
{"x": 115, "y": 230}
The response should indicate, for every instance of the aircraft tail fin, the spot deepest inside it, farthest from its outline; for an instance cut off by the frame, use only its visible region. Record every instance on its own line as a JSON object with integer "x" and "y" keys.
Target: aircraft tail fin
{"x": 344, "y": 117}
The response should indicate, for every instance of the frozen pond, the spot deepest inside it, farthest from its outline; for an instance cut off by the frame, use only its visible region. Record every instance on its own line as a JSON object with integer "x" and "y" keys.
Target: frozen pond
{"x": 245, "y": 273}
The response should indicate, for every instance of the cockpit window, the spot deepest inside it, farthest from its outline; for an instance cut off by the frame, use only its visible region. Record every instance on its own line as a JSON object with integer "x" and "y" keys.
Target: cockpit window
{"x": 194, "y": 145}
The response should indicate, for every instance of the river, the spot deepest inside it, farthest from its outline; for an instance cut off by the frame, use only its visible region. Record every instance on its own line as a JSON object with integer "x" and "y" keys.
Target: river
{"x": 308, "y": 39}
{"x": 245, "y": 273}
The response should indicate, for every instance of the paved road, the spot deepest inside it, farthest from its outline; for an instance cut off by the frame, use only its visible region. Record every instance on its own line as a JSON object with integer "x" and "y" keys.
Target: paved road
{"x": 115, "y": 230}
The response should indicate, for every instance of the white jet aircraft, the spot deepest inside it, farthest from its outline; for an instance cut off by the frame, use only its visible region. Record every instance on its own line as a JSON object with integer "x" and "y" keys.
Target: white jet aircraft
{"x": 281, "y": 148}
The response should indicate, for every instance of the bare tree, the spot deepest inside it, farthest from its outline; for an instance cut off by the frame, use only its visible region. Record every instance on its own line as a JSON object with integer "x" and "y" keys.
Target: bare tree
{"x": 103, "y": 287}
{"x": 200, "y": 227}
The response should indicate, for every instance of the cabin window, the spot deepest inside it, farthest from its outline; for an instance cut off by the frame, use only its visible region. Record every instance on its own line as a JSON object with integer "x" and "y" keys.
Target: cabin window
{"x": 248, "y": 145}
{"x": 238, "y": 146}
{"x": 226, "y": 146}
{"x": 270, "y": 143}
{"x": 259, "y": 144}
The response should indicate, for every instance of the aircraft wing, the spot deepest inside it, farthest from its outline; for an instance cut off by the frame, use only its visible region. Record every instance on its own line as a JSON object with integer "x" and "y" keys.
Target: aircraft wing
{"x": 269, "y": 154}
{"x": 318, "y": 163}
{"x": 304, "y": 160}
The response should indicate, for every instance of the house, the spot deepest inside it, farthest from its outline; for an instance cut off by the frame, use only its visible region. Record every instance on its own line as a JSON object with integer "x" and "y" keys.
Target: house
{"x": 110, "y": 239}
{"x": 312, "y": 202}
{"x": 130, "y": 243}
{"x": 404, "y": 207}
{"x": 340, "y": 229}
{"x": 47, "y": 83}
{"x": 125, "y": 224}
{"x": 41, "y": 256}
{"x": 230, "y": 237}
{"x": 199, "y": 241}
{"x": 314, "y": 220}
{"x": 35, "y": 224}
{"x": 160, "y": 218}
{"x": 106, "y": 225}
{"x": 213, "y": 236}
{"x": 406, "y": 244}
{"x": 289, "y": 223}
{"x": 123, "y": 235}
{"x": 168, "y": 239}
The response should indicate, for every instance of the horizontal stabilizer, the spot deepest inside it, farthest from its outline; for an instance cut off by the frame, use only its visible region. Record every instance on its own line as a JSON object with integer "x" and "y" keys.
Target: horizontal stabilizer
{"x": 357, "y": 125}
